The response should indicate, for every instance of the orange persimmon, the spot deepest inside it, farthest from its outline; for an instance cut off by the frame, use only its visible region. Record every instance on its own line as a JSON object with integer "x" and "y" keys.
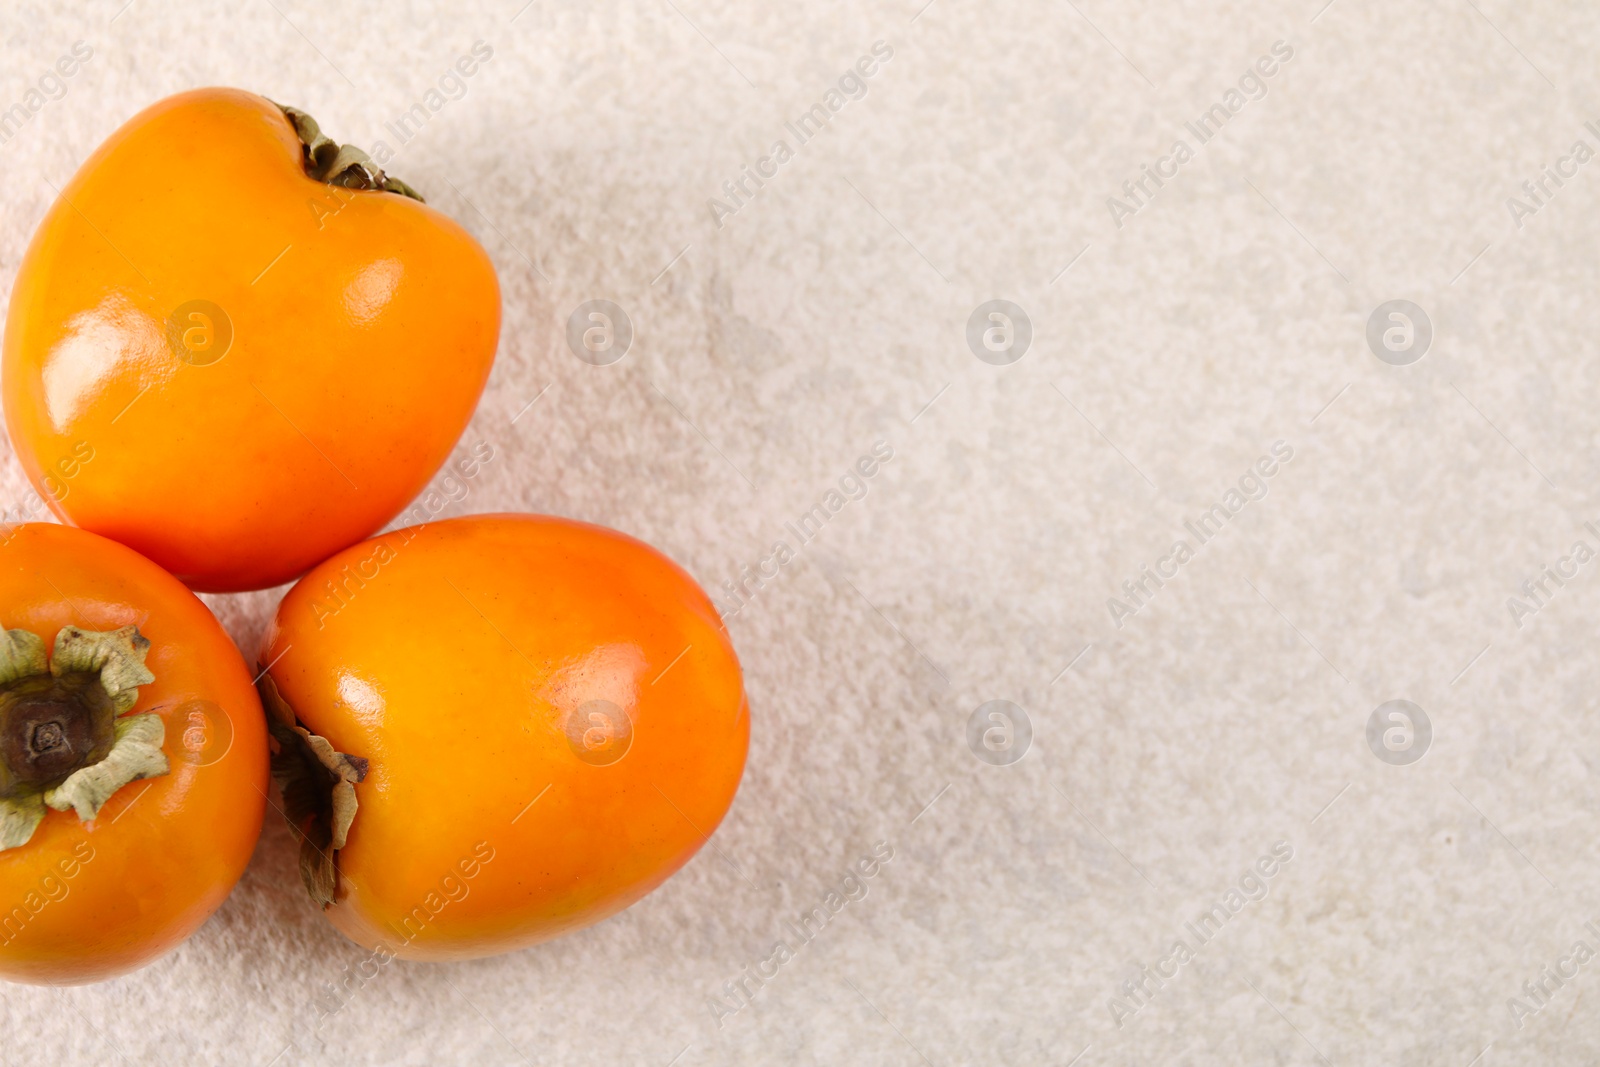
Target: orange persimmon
{"x": 133, "y": 758}
{"x": 497, "y": 729}
{"x": 237, "y": 347}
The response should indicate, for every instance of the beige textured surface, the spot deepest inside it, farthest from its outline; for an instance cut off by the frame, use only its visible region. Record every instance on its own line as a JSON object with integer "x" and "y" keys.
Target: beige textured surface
{"x": 829, "y": 313}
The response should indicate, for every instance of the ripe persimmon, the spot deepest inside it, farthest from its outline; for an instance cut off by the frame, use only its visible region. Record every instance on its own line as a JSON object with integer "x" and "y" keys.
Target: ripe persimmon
{"x": 493, "y": 730}
{"x": 133, "y": 758}
{"x": 238, "y": 347}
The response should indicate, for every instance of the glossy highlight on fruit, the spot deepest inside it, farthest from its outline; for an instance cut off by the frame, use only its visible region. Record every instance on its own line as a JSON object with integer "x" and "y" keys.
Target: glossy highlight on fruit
{"x": 133, "y": 769}
{"x": 497, "y": 729}
{"x": 237, "y": 347}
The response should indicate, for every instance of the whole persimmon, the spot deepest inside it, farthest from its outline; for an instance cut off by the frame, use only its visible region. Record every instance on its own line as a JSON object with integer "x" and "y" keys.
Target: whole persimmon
{"x": 238, "y": 347}
{"x": 490, "y": 731}
{"x": 133, "y": 758}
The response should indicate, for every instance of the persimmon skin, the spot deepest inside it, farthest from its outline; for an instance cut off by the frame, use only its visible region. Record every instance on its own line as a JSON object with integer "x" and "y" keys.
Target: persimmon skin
{"x": 451, "y": 659}
{"x": 164, "y": 852}
{"x": 363, "y": 328}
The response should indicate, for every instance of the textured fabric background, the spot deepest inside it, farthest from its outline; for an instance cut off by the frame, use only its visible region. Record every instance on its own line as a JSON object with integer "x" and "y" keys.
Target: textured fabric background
{"x": 779, "y": 337}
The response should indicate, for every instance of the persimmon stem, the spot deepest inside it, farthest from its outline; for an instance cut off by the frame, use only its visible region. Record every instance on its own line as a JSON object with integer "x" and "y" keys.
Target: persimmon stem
{"x": 327, "y": 160}
{"x": 65, "y": 740}
{"x": 52, "y": 727}
{"x": 318, "y": 785}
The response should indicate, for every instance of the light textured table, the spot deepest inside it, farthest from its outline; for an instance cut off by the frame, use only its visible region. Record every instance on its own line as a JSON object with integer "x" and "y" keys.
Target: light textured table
{"x": 1175, "y": 338}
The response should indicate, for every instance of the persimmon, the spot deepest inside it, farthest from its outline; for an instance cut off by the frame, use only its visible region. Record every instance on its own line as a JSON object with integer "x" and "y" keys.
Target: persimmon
{"x": 238, "y": 347}
{"x": 133, "y": 758}
{"x": 497, "y": 729}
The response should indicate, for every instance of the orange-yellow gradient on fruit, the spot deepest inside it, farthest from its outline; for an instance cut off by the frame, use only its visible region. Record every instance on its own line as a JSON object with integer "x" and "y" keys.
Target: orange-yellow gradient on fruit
{"x": 228, "y": 365}
{"x": 85, "y": 901}
{"x": 553, "y": 720}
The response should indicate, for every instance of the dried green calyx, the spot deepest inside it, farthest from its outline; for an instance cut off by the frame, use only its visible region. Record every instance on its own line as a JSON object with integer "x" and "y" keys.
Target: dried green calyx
{"x": 66, "y": 740}
{"x": 318, "y": 785}
{"x": 346, "y": 165}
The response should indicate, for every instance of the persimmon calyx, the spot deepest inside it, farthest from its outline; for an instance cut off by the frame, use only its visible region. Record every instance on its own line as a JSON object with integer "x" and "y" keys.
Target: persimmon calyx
{"x": 346, "y": 165}
{"x": 318, "y": 784}
{"x": 66, "y": 740}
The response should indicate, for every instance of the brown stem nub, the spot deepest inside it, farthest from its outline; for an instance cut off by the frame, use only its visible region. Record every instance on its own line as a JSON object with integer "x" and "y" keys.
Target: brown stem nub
{"x": 345, "y": 165}
{"x": 65, "y": 740}
{"x": 49, "y": 727}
